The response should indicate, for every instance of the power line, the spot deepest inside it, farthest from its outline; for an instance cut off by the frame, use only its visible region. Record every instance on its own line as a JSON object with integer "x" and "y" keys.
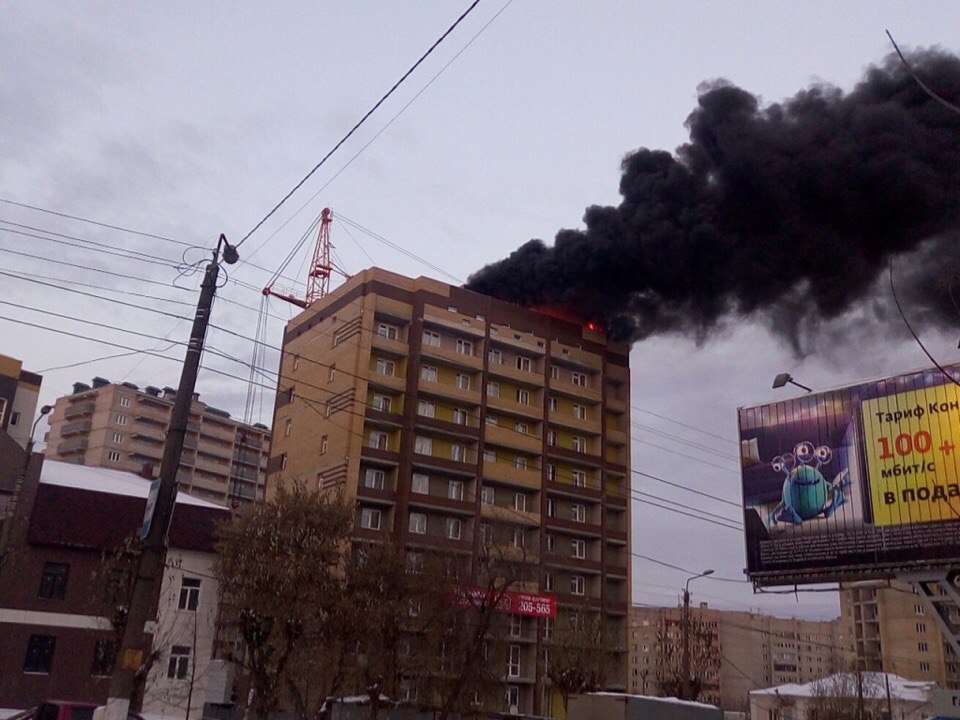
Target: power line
{"x": 361, "y": 121}
{"x": 683, "y": 424}
{"x": 688, "y": 489}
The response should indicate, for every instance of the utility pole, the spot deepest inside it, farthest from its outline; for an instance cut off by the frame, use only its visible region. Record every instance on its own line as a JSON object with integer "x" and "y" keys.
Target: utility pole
{"x": 133, "y": 657}
{"x": 686, "y": 687}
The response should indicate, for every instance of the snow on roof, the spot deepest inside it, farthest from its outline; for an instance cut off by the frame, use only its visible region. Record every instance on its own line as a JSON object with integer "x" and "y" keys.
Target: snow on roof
{"x": 874, "y": 686}
{"x": 98, "y": 479}
{"x": 669, "y": 700}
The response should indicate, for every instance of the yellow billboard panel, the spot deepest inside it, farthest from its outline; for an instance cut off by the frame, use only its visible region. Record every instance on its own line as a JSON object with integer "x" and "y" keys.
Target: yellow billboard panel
{"x": 911, "y": 442}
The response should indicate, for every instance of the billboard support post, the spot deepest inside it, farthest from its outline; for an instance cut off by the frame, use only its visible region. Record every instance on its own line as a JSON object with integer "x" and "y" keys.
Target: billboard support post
{"x": 940, "y": 596}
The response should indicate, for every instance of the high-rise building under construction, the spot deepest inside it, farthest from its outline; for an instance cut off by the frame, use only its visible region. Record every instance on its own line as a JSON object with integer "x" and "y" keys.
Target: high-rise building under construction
{"x": 452, "y": 419}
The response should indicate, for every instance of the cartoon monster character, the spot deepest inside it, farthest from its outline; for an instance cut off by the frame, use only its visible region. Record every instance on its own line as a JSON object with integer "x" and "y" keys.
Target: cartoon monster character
{"x": 806, "y": 492}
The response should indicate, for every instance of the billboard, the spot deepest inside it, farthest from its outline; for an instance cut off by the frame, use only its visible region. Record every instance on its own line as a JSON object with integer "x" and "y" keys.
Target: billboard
{"x": 853, "y": 483}
{"x": 510, "y": 602}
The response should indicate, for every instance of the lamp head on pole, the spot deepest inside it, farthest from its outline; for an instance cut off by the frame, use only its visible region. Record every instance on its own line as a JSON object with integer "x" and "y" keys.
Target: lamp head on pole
{"x": 783, "y": 378}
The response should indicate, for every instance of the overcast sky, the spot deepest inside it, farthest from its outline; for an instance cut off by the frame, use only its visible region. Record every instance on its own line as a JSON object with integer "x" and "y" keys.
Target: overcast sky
{"x": 188, "y": 120}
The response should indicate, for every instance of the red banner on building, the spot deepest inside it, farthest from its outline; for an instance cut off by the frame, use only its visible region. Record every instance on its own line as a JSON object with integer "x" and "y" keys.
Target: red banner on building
{"x": 506, "y": 601}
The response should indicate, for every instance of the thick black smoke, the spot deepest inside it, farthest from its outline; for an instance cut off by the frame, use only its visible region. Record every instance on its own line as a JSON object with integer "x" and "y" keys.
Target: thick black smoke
{"x": 793, "y": 210}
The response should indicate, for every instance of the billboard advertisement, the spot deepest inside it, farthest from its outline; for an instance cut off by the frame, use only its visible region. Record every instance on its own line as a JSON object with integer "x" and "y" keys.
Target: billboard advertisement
{"x": 510, "y": 602}
{"x": 853, "y": 483}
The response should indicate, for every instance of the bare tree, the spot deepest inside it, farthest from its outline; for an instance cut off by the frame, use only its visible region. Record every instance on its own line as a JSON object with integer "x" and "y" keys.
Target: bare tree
{"x": 575, "y": 655}
{"x": 278, "y": 571}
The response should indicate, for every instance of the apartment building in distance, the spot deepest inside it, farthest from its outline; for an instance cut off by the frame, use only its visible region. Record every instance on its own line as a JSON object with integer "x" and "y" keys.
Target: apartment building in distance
{"x": 122, "y": 427}
{"x": 732, "y": 652}
{"x": 894, "y": 632}
{"x": 19, "y": 392}
{"x": 453, "y": 420}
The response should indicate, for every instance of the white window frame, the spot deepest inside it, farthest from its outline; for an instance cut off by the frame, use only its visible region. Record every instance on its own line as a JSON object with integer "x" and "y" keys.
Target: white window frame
{"x": 579, "y": 478}
{"x": 488, "y": 495}
{"x": 519, "y": 539}
{"x": 554, "y": 372}
{"x": 455, "y": 490}
{"x": 429, "y": 373}
{"x": 426, "y": 408}
{"x": 522, "y": 427}
{"x": 374, "y": 478}
{"x": 493, "y": 389}
{"x": 520, "y": 502}
{"x": 189, "y": 599}
{"x": 553, "y": 404}
{"x": 579, "y": 443}
{"x": 418, "y": 523}
{"x": 388, "y": 331}
{"x": 551, "y": 438}
{"x": 464, "y": 347}
{"x": 579, "y": 378}
{"x": 551, "y": 508}
{"x": 552, "y": 473}
{"x": 548, "y": 586}
{"x": 431, "y": 338}
{"x": 463, "y": 381}
{"x": 117, "y": 438}
{"x": 420, "y": 484}
{"x": 113, "y": 456}
{"x": 513, "y": 662}
{"x": 520, "y": 462}
{"x": 178, "y": 665}
{"x": 386, "y": 367}
{"x": 120, "y": 419}
{"x": 383, "y": 403}
{"x": 580, "y": 411}
{"x": 578, "y": 512}
{"x": 370, "y": 518}
{"x": 454, "y": 528}
{"x": 523, "y": 396}
{"x": 578, "y": 585}
{"x": 379, "y": 440}
{"x": 423, "y": 445}
{"x": 516, "y": 626}
{"x": 578, "y": 548}
{"x": 495, "y": 357}
{"x": 524, "y": 363}
{"x": 551, "y": 542}
{"x": 458, "y": 452}
{"x": 124, "y": 401}
{"x": 461, "y": 416}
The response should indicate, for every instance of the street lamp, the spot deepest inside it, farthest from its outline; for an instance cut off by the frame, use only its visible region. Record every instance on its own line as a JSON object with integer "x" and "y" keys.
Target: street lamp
{"x": 18, "y": 487}
{"x": 783, "y": 378}
{"x": 686, "y": 689}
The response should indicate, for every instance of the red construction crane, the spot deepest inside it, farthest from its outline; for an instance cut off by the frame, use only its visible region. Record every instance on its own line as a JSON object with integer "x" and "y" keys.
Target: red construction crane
{"x": 318, "y": 274}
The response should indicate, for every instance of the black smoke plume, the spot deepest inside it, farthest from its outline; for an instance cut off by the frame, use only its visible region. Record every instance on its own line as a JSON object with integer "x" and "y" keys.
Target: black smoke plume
{"x": 792, "y": 209}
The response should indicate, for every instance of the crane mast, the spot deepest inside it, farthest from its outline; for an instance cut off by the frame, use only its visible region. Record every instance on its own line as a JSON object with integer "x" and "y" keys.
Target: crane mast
{"x": 318, "y": 274}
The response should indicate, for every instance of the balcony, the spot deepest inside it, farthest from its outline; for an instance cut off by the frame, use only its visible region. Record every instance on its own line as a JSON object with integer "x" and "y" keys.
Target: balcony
{"x": 616, "y": 437}
{"x": 454, "y": 321}
{"x": 72, "y": 428}
{"x": 508, "y": 514}
{"x": 510, "y": 474}
{"x": 397, "y": 383}
{"x": 615, "y": 404}
{"x": 218, "y": 449}
{"x": 589, "y": 427}
{"x": 190, "y": 443}
{"x": 578, "y": 357}
{"x": 452, "y": 357}
{"x": 78, "y": 410}
{"x": 524, "y": 377}
{"x": 575, "y": 391}
{"x": 509, "y": 405}
{"x": 436, "y": 501}
{"x": 219, "y": 431}
{"x": 396, "y": 347}
{"x": 210, "y": 465}
{"x": 508, "y": 437}
{"x": 471, "y": 396}
{"x": 71, "y": 446}
{"x": 150, "y": 431}
{"x": 153, "y": 451}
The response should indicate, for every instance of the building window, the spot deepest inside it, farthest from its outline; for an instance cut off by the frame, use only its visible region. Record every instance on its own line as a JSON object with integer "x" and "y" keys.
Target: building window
{"x": 39, "y": 657}
{"x": 113, "y": 456}
{"x": 551, "y": 542}
{"x": 921, "y": 627}
{"x": 387, "y": 330}
{"x": 458, "y": 453}
{"x": 523, "y": 397}
{"x": 465, "y": 347}
{"x": 386, "y": 367}
{"x": 423, "y": 445}
{"x": 578, "y": 548}
{"x": 925, "y": 667}
{"x": 493, "y": 389}
{"x": 491, "y": 420}
{"x": 520, "y": 462}
{"x": 120, "y": 419}
{"x": 418, "y": 523}
{"x": 551, "y": 509}
{"x": 374, "y": 478}
{"x": 324, "y": 444}
{"x": 553, "y": 404}
{"x": 577, "y": 585}
{"x": 512, "y": 698}
{"x": 918, "y": 609}
{"x": 53, "y": 582}
{"x": 460, "y": 416}
{"x": 379, "y": 439}
{"x": 370, "y": 518}
{"x": 516, "y": 626}
{"x": 124, "y": 401}
{"x": 420, "y": 484}
{"x": 296, "y": 362}
{"x": 488, "y": 495}
{"x": 332, "y": 373}
{"x": 454, "y": 526}
{"x": 490, "y": 455}
{"x": 551, "y": 437}
{"x": 104, "y": 655}
{"x": 579, "y": 443}
{"x": 189, "y": 593}
{"x": 580, "y": 412}
{"x": 522, "y": 428}
{"x": 579, "y": 478}
{"x": 580, "y": 379}
{"x": 513, "y": 663}
{"x": 455, "y": 490}
{"x": 179, "y": 664}
{"x": 428, "y": 373}
{"x": 495, "y": 357}
{"x": 552, "y": 473}
{"x": 463, "y": 381}
{"x": 486, "y": 533}
{"x": 548, "y": 586}
{"x": 518, "y": 538}
{"x": 578, "y": 512}
{"x": 548, "y": 622}
{"x": 923, "y": 647}
{"x": 523, "y": 363}
{"x": 431, "y": 338}
{"x": 381, "y": 403}
{"x": 287, "y": 426}
{"x": 520, "y": 501}
{"x": 427, "y": 408}
{"x": 554, "y": 372}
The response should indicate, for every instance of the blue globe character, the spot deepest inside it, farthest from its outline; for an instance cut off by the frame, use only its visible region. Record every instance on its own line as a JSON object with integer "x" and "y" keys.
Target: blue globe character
{"x": 806, "y": 492}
